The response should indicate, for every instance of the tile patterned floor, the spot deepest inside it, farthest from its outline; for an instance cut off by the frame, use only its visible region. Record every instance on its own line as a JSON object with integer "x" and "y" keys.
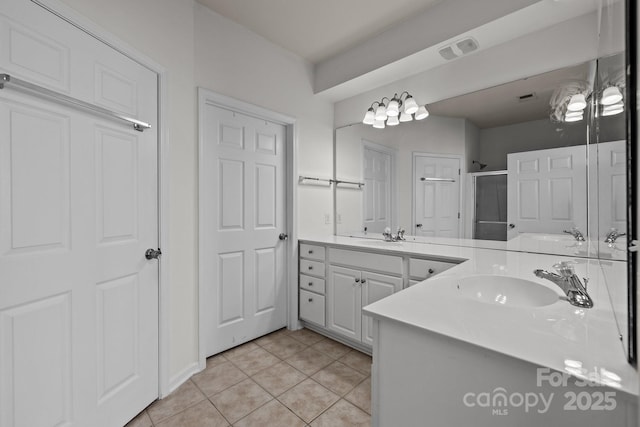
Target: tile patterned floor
{"x": 287, "y": 378}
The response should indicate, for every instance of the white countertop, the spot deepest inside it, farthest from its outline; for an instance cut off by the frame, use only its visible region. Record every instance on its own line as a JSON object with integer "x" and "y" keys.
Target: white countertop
{"x": 581, "y": 342}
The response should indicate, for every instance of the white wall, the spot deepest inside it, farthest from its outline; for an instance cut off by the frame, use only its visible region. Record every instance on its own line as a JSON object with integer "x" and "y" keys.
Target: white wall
{"x": 234, "y": 61}
{"x": 496, "y": 143}
{"x": 200, "y": 48}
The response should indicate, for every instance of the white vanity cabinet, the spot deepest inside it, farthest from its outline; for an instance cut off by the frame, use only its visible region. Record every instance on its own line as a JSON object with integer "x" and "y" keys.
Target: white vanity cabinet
{"x": 337, "y": 281}
{"x": 351, "y": 285}
{"x": 312, "y": 283}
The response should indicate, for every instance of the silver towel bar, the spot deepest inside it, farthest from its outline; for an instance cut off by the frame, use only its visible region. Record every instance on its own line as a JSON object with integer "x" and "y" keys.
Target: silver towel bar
{"x": 8, "y": 81}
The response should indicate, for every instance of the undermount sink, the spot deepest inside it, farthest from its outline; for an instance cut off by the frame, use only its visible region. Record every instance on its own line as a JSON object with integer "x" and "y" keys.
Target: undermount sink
{"x": 379, "y": 243}
{"x": 506, "y": 291}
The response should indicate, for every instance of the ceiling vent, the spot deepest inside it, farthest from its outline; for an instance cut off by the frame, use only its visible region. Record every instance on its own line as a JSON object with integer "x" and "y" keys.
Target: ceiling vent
{"x": 528, "y": 97}
{"x": 459, "y": 48}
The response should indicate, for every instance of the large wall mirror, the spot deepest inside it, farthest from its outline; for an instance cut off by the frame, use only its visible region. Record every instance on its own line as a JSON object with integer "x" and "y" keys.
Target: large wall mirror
{"x": 516, "y": 167}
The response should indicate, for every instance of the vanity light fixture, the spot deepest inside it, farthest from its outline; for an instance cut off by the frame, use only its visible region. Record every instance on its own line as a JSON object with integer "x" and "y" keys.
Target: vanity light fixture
{"x": 612, "y": 110}
{"x": 399, "y": 109}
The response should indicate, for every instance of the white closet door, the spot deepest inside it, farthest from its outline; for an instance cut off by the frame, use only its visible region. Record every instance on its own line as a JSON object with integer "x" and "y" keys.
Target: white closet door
{"x": 377, "y": 190}
{"x": 243, "y": 205}
{"x": 547, "y": 191}
{"x": 78, "y": 209}
{"x": 436, "y": 183}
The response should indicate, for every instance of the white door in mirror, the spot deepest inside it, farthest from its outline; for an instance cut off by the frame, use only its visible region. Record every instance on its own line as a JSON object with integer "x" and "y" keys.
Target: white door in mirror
{"x": 437, "y": 196}
{"x": 546, "y": 191}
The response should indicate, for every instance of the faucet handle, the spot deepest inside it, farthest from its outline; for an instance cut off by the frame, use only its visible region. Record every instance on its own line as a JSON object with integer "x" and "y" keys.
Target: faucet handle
{"x": 565, "y": 268}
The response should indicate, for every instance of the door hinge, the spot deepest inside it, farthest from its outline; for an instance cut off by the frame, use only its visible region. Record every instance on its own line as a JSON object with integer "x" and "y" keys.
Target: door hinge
{"x": 458, "y": 171}
{"x": 458, "y": 215}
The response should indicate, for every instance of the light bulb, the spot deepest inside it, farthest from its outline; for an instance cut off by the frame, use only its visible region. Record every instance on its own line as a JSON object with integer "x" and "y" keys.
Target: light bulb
{"x": 378, "y": 124}
{"x": 393, "y": 121}
{"x": 393, "y": 108}
{"x": 410, "y": 105}
{"x": 611, "y": 95}
{"x": 422, "y": 113}
{"x": 381, "y": 112}
{"x": 404, "y": 117}
{"x": 577, "y": 103}
{"x": 369, "y": 117}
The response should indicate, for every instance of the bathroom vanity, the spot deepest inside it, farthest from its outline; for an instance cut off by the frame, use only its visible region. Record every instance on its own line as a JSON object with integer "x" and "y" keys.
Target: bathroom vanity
{"x": 455, "y": 348}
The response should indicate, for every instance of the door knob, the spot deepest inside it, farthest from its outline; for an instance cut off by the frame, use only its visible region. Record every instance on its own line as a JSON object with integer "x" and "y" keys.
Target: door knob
{"x": 152, "y": 253}
{"x": 419, "y": 225}
{"x": 283, "y": 236}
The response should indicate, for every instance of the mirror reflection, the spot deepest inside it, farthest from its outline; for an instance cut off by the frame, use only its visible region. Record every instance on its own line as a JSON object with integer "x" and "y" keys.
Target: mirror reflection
{"x": 504, "y": 167}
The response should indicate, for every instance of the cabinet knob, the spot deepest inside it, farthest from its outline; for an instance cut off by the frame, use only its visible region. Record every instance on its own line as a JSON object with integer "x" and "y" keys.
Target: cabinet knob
{"x": 311, "y": 267}
{"x": 364, "y": 281}
{"x": 357, "y": 280}
{"x": 310, "y": 299}
{"x": 431, "y": 270}
{"x": 310, "y": 252}
{"x": 310, "y": 283}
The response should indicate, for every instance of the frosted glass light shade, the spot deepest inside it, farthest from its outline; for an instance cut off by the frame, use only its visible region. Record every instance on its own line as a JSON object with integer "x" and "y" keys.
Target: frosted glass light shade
{"x": 577, "y": 103}
{"x": 381, "y": 112}
{"x": 369, "y": 117}
{"x": 393, "y": 121}
{"x": 393, "y": 108}
{"x": 573, "y": 118}
{"x": 573, "y": 114}
{"x": 410, "y": 105}
{"x": 378, "y": 124}
{"x": 612, "y": 110}
{"x": 422, "y": 113}
{"x": 611, "y": 95}
{"x": 404, "y": 117}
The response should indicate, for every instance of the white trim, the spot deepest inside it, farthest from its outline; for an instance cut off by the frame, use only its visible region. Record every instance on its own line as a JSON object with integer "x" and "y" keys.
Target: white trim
{"x": 86, "y": 25}
{"x": 182, "y": 376}
{"x": 461, "y": 204}
{"x": 209, "y": 97}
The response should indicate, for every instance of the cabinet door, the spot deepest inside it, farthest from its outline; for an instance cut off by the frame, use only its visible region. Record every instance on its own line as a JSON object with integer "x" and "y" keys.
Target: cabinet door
{"x": 374, "y": 288}
{"x": 344, "y": 306}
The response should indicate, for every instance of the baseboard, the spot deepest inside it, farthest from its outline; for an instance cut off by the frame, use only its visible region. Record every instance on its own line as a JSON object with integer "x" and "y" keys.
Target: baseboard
{"x": 181, "y": 377}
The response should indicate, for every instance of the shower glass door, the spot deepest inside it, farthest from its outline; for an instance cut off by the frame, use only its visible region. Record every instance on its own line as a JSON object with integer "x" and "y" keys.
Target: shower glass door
{"x": 490, "y": 214}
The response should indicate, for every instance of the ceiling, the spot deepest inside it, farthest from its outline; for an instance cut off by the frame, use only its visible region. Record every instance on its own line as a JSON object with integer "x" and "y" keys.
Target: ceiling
{"x": 501, "y": 106}
{"x": 318, "y": 29}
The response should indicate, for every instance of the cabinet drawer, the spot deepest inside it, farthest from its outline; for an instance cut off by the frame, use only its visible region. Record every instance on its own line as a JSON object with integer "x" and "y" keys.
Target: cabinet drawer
{"x": 312, "y": 307}
{"x": 312, "y": 251}
{"x": 367, "y": 261}
{"x": 314, "y": 268}
{"x": 424, "y": 268}
{"x": 312, "y": 283}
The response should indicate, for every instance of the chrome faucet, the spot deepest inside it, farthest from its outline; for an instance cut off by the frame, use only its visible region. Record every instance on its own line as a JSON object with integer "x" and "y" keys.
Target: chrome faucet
{"x": 388, "y": 237}
{"x": 575, "y": 233}
{"x": 613, "y": 235}
{"x": 570, "y": 284}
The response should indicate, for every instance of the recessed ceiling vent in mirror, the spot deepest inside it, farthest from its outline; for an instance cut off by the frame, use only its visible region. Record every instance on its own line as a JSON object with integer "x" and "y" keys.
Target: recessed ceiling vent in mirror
{"x": 459, "y": 48}
{"x": 528, "y": 97}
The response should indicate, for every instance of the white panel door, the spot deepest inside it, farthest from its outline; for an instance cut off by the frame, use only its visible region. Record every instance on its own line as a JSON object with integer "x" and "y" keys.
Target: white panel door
{"x": 612, "y": 181}
{"x": 244, "y": 206}
{"x": 377, "y": 190}
{"x": 547, "y": 191}
{"x": 344, "y": 305}
{"x": 374, "y": 288}
{"x": 436, "y": 196}
{"x": 78, "y": 209}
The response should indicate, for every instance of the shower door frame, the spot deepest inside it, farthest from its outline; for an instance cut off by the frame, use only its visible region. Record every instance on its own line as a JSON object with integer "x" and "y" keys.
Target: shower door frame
{"x": 472, "y": 217}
